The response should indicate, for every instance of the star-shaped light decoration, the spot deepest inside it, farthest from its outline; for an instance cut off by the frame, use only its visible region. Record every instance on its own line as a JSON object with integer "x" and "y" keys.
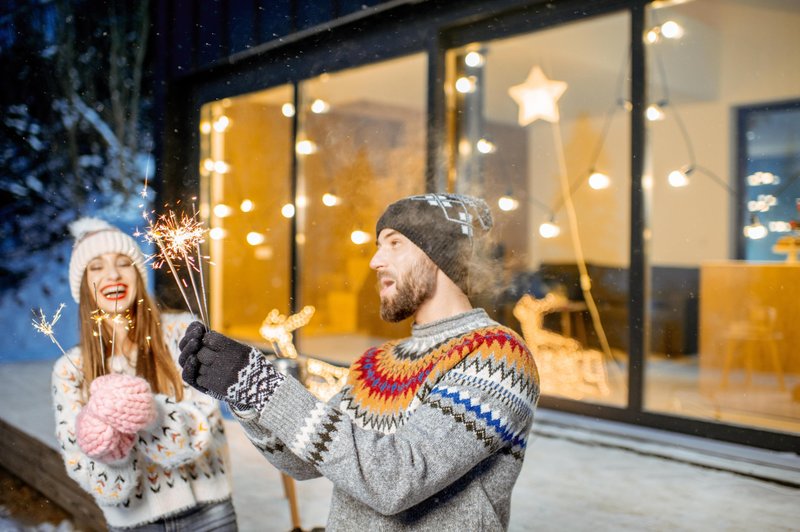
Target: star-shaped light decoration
{"x": 277, "y": 329}
{"x": 537, "y": 97}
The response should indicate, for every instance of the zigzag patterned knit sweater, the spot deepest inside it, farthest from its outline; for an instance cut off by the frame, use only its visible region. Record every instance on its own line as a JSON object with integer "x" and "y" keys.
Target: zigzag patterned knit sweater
{"x": 179, "y": 462}
{"x": 428, "y": 434}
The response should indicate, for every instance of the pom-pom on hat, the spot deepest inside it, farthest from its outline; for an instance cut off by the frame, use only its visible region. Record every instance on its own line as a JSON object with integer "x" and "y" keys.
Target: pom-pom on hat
{"x": 94, "y": 237}
{"x": 443, "y": 226}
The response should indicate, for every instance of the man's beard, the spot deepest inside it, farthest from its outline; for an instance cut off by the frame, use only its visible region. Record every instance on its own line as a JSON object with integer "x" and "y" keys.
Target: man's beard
{"x": 411, "y": 290}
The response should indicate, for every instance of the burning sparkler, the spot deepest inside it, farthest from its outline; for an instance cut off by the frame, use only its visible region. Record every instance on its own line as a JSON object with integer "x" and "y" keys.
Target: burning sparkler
{"x": 45, "y": 327}
{"x": 176, "y": 239}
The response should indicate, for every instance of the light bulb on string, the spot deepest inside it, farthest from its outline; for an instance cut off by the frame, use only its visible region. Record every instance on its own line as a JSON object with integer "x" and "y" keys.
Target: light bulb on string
{"x": 599, "y": 180}
{"x": 306, "y": 147}
{"x": 671, "y": 30}
{"x": 216, "y": 233}
{"x": 255, "y": 238}
{"x": 287, "y": 210}
{"x": 655, "y": 112}
{"x": 485, "y": 146}
{"x": 680, "y": 178}
{"x": 287, "y": 110}
{"x": 222, "y": 210}
{"x": 549, "y": 229}
{"x": 755, "y": 230}
{"x": 221, "y": 124}
{"x": 473, "y": 59}
{"x": 330, "y": 200}
{"x": 507, "y": 203}
{"x": 466, "y": 84}
{"x": 359, "y": 237}
{"x": 320, "y": 106}
{"x": 205, "y": 127}
{"x": 246, "y": 205}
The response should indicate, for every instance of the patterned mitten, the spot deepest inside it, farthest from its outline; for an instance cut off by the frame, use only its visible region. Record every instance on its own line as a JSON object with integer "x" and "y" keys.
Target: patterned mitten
{"x": 123, "y": 402}
{"x": 100, "y": 440}
{"x": 225, "y": 369}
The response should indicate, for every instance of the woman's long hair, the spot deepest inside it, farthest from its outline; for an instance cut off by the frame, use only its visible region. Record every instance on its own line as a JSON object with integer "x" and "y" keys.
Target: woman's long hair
{"x": 154, "y": 362}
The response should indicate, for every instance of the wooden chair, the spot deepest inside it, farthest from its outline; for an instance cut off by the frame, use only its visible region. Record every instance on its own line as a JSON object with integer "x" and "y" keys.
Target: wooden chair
{"x": 756, "y": 336}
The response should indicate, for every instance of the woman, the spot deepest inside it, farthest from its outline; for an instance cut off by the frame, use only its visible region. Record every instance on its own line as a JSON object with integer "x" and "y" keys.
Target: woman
{"x": 151, "y": 452}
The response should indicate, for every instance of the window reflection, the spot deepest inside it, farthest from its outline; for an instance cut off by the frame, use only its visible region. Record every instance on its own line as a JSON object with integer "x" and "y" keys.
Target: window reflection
{"x": 361, "y": 145}
{"x": 540, "y": 130}
{"x": 722, "y": 329}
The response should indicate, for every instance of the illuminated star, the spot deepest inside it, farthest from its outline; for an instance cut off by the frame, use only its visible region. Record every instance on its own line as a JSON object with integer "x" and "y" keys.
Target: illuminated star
{"x": 537, "y": 97}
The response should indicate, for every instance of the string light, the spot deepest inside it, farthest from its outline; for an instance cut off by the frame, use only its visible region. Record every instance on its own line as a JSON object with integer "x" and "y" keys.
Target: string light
{"x": 473, "y": 59}
{"x": 330, "y": 200}
{"x": 255, "y": 238}
{"x": 655, "y": 112}
{"x": 287, "y": 210}
{"x": 217, "y": 233}
{"x": 599, "y": 181}
{"x": 359, "y": 237}
{"x": 306, "y": 147}
{"x": 222, "y": 211}
{"x": 221, "y": 167}
{"x": 221, "y": 124}
{"x": 320, "y": 106}
{"x": 466, "y": 84}
{"x": 246, "y": 205}
{"x": 507, "y": 203}
{"x": 755, "y": 230}
{"x": 549, "y": 229}
{"x": 287, "y": 110}
{"x": 205, "y": 127}
{"x": 485, "y": 146}
{"x": 679, "y": 178}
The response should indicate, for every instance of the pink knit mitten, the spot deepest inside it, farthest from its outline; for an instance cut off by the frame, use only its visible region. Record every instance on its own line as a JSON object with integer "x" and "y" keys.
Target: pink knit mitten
{"x": 101, "y": 441}
{"x": 122, "y": 401}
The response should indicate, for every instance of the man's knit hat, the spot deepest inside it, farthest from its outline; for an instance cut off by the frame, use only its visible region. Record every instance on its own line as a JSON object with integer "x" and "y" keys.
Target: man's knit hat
{"x": 94, "y": 237}
{"x": 443, "y": 226}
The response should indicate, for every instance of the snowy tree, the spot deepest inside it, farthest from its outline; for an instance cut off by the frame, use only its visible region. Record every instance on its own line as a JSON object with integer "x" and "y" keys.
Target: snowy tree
{"x": 75, "y": 132}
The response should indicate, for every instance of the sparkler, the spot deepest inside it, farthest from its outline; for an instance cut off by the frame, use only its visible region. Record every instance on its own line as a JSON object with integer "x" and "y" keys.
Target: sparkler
{"x": 98, "y": 316}
{"x": 41, "y": 324}
{"x": 175, "y": 239}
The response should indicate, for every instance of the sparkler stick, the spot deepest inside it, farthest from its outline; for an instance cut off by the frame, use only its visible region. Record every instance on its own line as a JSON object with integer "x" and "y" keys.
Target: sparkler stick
{"x": 98, "y": 316}
{"x": 191, "y": 275}
{"x": 46, "y": 328}
{"x": 114, "y": 329}
{"x": 200, "y": 269}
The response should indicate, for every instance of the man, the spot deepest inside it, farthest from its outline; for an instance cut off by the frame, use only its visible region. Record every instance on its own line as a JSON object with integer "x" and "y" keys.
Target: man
{"x": 429, "y": 432}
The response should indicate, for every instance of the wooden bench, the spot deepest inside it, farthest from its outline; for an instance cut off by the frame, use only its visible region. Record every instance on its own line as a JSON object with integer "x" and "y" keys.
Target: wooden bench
{"x": 41, "y": 467}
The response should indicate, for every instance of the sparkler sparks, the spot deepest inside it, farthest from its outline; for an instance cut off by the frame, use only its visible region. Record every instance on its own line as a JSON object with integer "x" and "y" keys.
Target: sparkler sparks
{"x": 45, "y": 327}
{"x": 176, "y": 239}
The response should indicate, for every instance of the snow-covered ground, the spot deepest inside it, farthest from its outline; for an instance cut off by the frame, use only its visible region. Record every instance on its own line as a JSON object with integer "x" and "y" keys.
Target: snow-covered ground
{"x": 579, "y": 474}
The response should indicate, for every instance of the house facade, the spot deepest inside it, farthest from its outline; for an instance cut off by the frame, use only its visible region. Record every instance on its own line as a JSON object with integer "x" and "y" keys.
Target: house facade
{"x": 641, "y": 160}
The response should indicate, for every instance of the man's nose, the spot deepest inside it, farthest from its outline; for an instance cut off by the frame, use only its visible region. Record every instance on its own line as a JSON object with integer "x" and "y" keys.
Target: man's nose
{"x": 377, "y": 260}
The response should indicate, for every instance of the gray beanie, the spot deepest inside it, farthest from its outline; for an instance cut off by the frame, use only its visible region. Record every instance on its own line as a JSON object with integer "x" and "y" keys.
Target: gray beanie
{"x": 443, "y": 226}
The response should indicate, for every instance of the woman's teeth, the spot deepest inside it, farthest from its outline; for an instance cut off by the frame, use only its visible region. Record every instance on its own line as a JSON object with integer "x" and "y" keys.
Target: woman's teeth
{"x": 115, "y": 292}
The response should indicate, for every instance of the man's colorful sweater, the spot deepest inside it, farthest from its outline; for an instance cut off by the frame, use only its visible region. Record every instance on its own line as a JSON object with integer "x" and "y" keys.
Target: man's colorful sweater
{"x": 178, "y": 463}
{"x": 429, "y": 432}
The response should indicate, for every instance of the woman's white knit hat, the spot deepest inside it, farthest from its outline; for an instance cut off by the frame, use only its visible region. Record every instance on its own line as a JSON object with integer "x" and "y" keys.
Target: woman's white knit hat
{"x": 94, "y": 237}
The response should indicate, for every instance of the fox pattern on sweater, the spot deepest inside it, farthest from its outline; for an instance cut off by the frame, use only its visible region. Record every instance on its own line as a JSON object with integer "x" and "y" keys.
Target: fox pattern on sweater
{"x": 176, "y": 463}
{"x": 441, "y": 416}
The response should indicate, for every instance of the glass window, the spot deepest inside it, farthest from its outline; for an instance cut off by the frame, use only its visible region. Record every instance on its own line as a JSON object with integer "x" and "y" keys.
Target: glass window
{"x": 246, "y": 161}
{"x": 722, "y": 294}
{"x": 540, "y": 129}
{"x": 360, "y": 146}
